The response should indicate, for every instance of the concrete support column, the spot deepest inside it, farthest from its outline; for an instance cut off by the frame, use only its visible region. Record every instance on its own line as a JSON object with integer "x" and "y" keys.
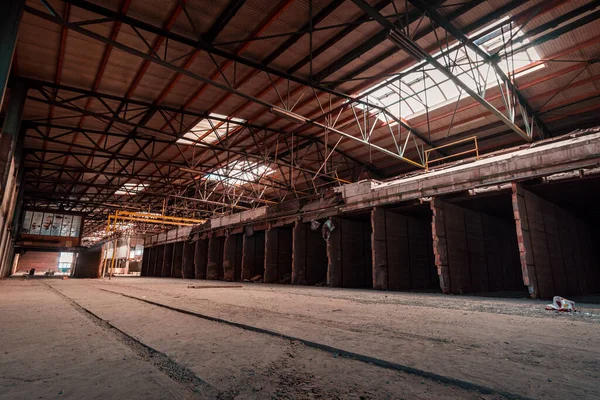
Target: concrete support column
{"x": 178, "y": 260}
{"x": 556, "y": 247}
{"x": 440, "y": 245}
{"x": 11, "y": 12}
{"x": 278, "y": 255}
{"x": 214, "y": 267}
{"x": 253, "y": 255}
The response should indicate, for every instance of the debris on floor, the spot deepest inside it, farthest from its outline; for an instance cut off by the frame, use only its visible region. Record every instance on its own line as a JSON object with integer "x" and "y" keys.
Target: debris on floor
{"x": 256, "y": 278}
{"x": 213, "y": 286}
{"x": 561, "y": 304}
{"x": 287, "y": 278}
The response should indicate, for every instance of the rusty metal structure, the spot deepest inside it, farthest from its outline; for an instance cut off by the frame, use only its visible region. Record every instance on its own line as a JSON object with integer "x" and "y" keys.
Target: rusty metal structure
{"x": 196, "y": 109}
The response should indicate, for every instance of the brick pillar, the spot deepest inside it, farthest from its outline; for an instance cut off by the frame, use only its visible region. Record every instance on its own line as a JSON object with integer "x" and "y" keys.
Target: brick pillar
{"x": 440, "y": 247}
{"x": 379, "y": 249}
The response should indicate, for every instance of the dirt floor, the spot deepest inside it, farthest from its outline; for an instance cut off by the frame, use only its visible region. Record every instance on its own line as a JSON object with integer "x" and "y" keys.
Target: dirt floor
{"x": 158, "y": 338}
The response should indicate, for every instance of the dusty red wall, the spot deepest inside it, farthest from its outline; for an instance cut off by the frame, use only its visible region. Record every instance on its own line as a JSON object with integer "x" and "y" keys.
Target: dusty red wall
{"x": 42, "y": 261}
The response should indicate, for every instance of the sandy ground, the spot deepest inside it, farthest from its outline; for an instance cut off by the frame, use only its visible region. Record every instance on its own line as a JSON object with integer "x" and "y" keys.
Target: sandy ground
{"x": 512, "y": 347}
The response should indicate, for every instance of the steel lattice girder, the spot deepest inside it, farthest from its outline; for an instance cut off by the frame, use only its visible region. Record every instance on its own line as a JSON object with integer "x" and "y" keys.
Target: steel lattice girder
{"x": 420, "y": 54}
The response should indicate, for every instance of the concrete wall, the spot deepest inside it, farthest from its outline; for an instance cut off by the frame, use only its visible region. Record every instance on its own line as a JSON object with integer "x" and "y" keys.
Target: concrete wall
{"x": 177, "y": 260}
{"x": 402, "y": 252}
{"x": 556, "y": 247}
{"x": 214, "y": 267}
{"x": 278, "y": 255}
{"x": 167, "y": 268}
{"x": 160, "y": 258}
{"x": 200, "y": 258}
{"x": 232, "y": 257}
{"x": 349, "y": 254}
{"x": 89, "y": 263}
{"x": 188, "y": 271}
{"x": 42, "y": 261}
{"x": 309, "y": 265}
{"x": 145, "y": 262}
{"x": 474, "y": 252}
{"x": 253, "y": 257}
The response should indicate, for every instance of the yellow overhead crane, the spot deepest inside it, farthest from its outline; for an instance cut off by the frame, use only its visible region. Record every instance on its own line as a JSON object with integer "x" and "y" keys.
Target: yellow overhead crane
{"x": 120, "y": 215}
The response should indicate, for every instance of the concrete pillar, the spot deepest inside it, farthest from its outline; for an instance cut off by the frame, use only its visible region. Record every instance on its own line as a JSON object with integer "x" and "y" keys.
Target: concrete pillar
{"x": 278, "y": 255}
{"x": 188, "y": 260}
{"x": 556, "y": 247}
{"x": 177, "y": 260}
{"x": 200, "y": 258}
{"x": 214, "y": 267}
{"x": 253, "y": 255}
{"x": 232, "y": 257}
{"x": 349, "y": 254}
{"x": 11, "y": 12}
{"x": 309, "y": 258}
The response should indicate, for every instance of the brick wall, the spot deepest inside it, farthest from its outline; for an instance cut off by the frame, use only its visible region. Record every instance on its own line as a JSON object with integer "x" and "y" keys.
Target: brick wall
{"x": 556, "y": 247}
{"x": 40, "y": 260}
{"x": 309, "y": 256}
{"x": 232, "y": 257}
{"x": 402, "y": 252}
{"x": 474, "y": 252}
{"x": 278, "y": 255}
{"x": 253, "y": 257}
{"x": 349, "y": 254}
{"x": 89, "y": 263}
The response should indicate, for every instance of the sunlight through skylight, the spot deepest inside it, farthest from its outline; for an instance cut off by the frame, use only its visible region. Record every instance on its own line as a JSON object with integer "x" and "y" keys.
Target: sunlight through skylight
{"x": 210, "y": 130}
{"x": 414, "y": 93}
{"x": 240, "y": 173}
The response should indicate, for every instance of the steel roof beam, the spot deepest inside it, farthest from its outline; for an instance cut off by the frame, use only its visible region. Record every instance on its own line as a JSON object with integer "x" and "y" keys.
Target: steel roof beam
{"x": 421, "y": 55}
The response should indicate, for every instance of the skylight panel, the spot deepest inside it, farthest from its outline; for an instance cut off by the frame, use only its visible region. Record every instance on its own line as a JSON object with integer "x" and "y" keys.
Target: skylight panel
{"x": 210, "y": 130}
{"x": 132, "y": 188}
{"x": 240, "y": 173}
{"x": 407, "y": 97}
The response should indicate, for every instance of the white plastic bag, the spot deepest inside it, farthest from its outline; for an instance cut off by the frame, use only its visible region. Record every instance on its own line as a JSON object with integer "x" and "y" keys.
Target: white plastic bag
{"x": 561, "y": 304}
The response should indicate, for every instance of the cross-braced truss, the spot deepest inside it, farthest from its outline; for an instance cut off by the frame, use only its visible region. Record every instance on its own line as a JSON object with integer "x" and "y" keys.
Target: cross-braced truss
{"x": 272, "y": 130}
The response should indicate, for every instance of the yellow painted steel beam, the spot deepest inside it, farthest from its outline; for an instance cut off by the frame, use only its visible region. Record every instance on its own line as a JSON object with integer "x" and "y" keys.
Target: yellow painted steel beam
{"x": 143, "y": 216}
{"x": 148, "y": 220}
